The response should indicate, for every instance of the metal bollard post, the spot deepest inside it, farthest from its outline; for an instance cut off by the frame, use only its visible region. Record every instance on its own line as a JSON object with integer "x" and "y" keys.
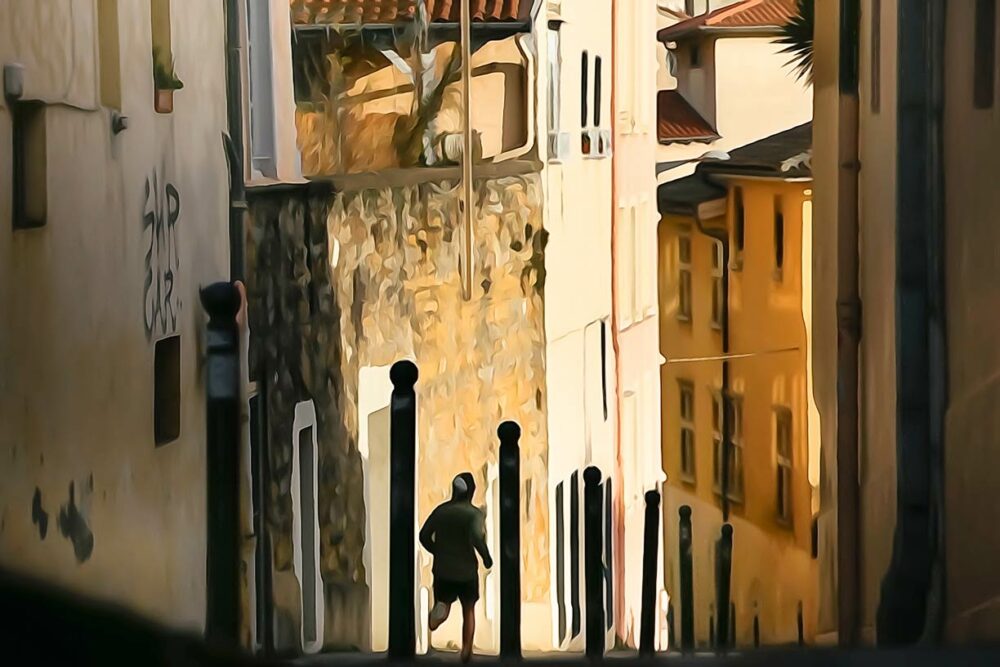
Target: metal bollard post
{"x": 687, "y": 580}
{"x": 402, "y": 540}
{"x": 510, "y": 541}
{"x": 222, "y": 302}
{"x": 594, "y": 575}
{"x": 722, "y": 587}
{"x": 650, "y": 560}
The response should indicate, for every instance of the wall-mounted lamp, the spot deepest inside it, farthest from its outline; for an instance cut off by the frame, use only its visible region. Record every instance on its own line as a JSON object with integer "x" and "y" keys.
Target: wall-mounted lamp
{"x": 119, "y": 123}
{"x": 13, "y": 81}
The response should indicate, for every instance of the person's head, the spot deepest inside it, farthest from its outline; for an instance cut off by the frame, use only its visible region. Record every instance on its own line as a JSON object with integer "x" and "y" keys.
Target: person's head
{"x": 463, "y": 487}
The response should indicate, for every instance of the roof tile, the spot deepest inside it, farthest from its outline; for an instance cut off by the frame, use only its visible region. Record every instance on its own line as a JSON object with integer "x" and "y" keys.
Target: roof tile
{"x": 306, "y": 12}
{"x": 745, "y": 14}
{"x": 677, "y": 120}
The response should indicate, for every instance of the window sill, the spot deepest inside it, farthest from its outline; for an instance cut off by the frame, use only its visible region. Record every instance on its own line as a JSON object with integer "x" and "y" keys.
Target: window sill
{"x": 787, "y": 524}
{"x": 736, "y": 499}
{"x": 777, "y": 276}
{"x": 688, "y": 480}
{"x": 684, "y": 318}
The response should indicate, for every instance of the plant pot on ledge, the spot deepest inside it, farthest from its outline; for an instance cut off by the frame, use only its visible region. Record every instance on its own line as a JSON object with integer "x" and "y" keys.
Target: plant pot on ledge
{"x": 163, "y": 100}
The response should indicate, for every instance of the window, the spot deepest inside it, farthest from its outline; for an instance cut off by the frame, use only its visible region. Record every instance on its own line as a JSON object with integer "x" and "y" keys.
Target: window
{"x": 307, "y": 507}
{"x": 109, "y": 52}
{"x": 574, "y": 552}
{"x": 695, "y": 55}
{"x": 815, "y": 538}
{"x": 261, "y": 107}
{"x": 985, "y": 53}
{"x": 779, "y": 237}
{"x": 598, "y": 74}
{"x": 734, "y": 484}
{"x": 30, "y": 164}
{"x": 684, "y": 277}
{"x": 165, "y": 80}
{"x": 604, "y": 368}
{"x": 783, "y": 449}
{"x": 716, "y": 440}
{"x": 555, "y": 72}
{"x": 718, "y": 298}
{"x": 687, "y": 432}
{"x": 739, "y": 227}
{"x": 584, "y": 113}
{"x": 561, "y": 560}
{"x": 876, "y": 56}
{"x": 167, "y": 390}
{"x": 638, "y": 289}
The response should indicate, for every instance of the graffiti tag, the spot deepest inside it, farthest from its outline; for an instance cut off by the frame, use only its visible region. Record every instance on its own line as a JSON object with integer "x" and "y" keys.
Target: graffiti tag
{"x": 161, "y": 209}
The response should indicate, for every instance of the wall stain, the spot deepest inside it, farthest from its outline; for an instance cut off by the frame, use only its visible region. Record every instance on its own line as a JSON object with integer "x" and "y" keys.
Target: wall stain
{"x": 39, "y": 516}
{"x": 73, "y": 527}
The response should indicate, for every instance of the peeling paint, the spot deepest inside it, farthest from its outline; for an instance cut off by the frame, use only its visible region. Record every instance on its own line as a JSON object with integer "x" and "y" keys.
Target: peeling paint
{"x": 39, "y": 516}
{"x": 73, "y": 527}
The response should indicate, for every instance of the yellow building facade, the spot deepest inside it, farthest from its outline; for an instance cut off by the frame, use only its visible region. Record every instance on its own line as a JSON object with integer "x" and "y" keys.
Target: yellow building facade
{"x": 759, "y": 202}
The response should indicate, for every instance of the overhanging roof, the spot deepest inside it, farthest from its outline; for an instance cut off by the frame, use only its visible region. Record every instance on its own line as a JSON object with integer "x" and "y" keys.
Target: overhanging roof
{"x": 764, "y": 17}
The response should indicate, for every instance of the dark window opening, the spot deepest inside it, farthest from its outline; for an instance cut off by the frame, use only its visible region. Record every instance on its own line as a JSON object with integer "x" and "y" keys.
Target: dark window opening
{"x": 739, "y": 224}
{"x": 585, "y": 146}
{"x": 608, "y": 557}
{"x": 815, "y": 538}
{"x": 30, "y": 164}
{"x": 985, "y": 53}
{"x": 561, "y": 561}
{"x": 695, "y": 55}
{"x": 876, "y": 45}
{"x": 307, "y": 499}
{"x": 598, "y": 74}
{"x": 574, "y": 551}
{"x": 167, "y": 390}
{"x": 604, "y": 367}
{"x": 779, "y": 234}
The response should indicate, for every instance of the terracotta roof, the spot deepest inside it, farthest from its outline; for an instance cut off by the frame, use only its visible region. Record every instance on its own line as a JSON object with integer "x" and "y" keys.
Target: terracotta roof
{"x": 741, "y": 15}
{"x": 395, "y": 11}
{"x": 677, "y": 121}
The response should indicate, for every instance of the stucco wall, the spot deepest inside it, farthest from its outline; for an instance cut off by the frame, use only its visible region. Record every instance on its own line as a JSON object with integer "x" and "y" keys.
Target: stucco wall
{"x": 971, "y": 238}
{"x": 86, "y": 498}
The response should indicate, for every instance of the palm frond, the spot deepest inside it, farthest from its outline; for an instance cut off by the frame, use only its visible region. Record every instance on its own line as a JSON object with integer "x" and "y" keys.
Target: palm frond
{"x": 797, "y": 37}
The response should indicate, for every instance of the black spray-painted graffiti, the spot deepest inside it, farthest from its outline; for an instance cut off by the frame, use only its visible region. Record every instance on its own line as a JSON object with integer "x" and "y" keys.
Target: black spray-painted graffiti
{"x": 160, "y": 300}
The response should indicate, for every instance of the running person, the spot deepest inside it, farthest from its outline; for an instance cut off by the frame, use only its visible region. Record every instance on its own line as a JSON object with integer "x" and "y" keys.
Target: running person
{"x": 453, "y": 533}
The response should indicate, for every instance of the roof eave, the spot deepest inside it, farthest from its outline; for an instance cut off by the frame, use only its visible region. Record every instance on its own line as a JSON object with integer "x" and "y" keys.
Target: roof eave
{"x": 702, "y": 31}
{"x": 706, "y": 139}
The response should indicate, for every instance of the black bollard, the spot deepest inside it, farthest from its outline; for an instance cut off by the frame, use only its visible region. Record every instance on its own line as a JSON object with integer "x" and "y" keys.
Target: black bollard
{"x": 510, "y": 541}
{"x": 402, "y": 543}
{"x": 722, "y": 586}
{"x": 650, "y": 559}
{"x": 671, "y": 632}
{"x": 222, "y": 302}
{"x": 594, "y": 568}
{"x": 687, "y": 580}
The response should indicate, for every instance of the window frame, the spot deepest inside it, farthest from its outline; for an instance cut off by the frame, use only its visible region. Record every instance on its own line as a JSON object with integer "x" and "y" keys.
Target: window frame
{"x": 779, "y": 238}
{"x": 717, "y": 285}
{"x": 28, "y": 117}
{"x": 784, "y": 460}
{"x": 687, "y": 444}
{"x": 739, "y": 228}
{"x": 555, "y": 75}
{"x": 735, "y": 488}
{"x": 984, "y": 54}
{"x": 685, "y": 288}
{"x": 260, "y": 110}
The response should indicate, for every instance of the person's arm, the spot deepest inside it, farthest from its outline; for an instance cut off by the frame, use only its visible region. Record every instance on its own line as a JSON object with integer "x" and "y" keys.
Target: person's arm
{"x": 479, "y": 540}
{"x": 427, "y": 534}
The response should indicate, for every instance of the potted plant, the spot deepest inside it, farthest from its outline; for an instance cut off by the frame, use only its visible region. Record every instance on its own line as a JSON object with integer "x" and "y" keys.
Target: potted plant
{"x": 165, "y": 82}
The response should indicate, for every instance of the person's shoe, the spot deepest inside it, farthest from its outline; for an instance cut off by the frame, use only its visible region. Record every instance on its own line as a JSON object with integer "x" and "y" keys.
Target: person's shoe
{"x": 438, "y": 615}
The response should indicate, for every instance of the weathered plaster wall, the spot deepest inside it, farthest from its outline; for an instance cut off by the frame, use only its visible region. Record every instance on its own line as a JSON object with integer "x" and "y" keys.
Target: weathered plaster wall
{"x": 392, "y": 290}
{"x": 136, "y": 223}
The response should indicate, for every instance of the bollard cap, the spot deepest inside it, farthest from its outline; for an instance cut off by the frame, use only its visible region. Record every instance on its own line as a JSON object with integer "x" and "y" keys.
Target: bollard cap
{"x": 684, "y": 511}
{"x": 592, "y": 475}
{"x": 727, "y": 530}
{"x": 653, "y": 498}
{"x": 222, "y": 301}
{"x": 404, "y": 374}
{"x": 509, "y": 432}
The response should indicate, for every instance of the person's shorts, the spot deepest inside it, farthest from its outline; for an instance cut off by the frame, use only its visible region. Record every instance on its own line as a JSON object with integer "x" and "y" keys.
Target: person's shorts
{"x": 450, "y": 591}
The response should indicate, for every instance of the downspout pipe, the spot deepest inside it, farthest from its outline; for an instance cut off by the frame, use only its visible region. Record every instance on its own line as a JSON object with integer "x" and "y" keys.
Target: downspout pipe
{"x": 848, "y": 330}
{"x": 233, "y": 142}
{"x": 911, "y": 603}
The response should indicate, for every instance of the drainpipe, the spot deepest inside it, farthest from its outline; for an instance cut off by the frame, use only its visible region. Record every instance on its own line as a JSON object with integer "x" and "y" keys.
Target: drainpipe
{"x": 233, "y": 142}
{"x": 848, "y": 330}
{"x": 722, "y": 237}
{"x": 619, "y": 485}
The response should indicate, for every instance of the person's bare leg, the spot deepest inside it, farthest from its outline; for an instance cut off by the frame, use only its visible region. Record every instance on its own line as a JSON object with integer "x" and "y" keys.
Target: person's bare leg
{"x": 468, "y": 629}
{"x": 438, "y": 615}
